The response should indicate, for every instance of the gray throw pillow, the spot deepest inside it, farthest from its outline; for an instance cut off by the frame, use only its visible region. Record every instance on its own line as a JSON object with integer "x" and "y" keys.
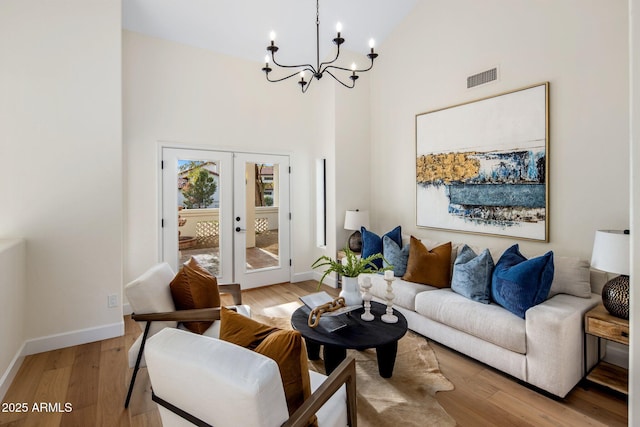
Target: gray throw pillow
{"x": 395, "y": 256}
{"x": 572, "y": 277}
{"x": 472, "y": 274}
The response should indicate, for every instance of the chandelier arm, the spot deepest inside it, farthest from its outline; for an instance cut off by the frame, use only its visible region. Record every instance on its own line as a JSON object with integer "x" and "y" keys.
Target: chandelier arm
{"x": 283, "y": 78}
{"x": 324, "y": 64}
{"x": 304, "y": 66}
{"x": 349, "y": 69}
{"x": 353, "y": 84}
{"x": 306, "y": 87}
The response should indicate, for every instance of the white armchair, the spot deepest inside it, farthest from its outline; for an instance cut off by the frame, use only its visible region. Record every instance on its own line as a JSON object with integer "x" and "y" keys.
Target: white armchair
{"x": 150, "y": 298}
{"x": 205, "y": 381}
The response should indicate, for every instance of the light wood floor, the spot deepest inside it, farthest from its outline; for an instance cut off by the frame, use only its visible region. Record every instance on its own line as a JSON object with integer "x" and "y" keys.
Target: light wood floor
{"x": 94, "y": 377}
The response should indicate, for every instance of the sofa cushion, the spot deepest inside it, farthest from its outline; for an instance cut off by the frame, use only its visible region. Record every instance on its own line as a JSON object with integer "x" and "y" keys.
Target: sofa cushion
{"x": 472, "y": 274}
{"x": 284, "y": 346}
{"x": 519, "y": 283}
{"x": 429, "y": 267}
{"x": 404, "y": 292}
{"x": 488, "y": 322}
{"x": 572, "y": 276}
{"x": 194, "y": 287}
{"x": 395, "y": 256}
{"x": 372, "y": 243}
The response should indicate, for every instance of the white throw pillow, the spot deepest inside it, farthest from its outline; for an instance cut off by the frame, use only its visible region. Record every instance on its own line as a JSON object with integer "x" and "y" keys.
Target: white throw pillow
{"x": 572, "y": 276}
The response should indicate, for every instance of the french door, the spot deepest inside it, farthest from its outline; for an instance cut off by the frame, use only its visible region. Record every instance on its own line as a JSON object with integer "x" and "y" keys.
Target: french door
{"x": 229, "y": 211}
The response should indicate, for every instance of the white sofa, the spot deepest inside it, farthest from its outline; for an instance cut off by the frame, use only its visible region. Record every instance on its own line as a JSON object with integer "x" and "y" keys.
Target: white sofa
{"x": 545, "y": 349}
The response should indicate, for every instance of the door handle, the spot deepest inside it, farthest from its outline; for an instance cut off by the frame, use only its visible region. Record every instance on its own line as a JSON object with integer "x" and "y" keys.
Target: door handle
{"x": 238, "y": 229}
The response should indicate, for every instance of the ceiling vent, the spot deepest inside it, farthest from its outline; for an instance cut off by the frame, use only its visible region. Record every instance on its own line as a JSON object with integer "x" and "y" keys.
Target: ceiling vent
{"x": 482, "y": 78}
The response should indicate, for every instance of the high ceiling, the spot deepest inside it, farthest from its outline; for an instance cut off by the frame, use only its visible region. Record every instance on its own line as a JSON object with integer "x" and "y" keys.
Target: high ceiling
{"x": 241, "y": 28}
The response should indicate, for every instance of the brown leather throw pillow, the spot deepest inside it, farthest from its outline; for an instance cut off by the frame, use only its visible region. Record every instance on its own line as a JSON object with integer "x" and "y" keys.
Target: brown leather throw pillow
{"x": 194, "y": 287}
{"x": 429, "y": 267}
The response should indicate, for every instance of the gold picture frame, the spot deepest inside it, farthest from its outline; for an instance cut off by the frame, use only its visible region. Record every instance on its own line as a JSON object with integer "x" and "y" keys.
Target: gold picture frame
{"x": 482, "y": 166}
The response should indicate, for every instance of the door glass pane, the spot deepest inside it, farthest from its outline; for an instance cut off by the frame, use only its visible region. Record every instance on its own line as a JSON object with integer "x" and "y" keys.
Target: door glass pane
{"x": 262, "y": 201}
{"x": 199, "y": 213}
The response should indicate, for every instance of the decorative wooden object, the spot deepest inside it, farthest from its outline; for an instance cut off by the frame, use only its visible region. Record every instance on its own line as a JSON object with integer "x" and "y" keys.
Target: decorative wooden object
{"x": 314, "y": 315}
{"x": 389, "y": 317}
{"x": 366, "y": 297}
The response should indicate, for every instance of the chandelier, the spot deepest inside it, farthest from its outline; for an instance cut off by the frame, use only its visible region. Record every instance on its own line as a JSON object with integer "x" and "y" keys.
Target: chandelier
{"x": 321, "y": 67}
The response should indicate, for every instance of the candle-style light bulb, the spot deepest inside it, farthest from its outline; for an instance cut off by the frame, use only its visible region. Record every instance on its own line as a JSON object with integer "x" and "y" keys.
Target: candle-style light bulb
{"x": 302, "y": 75}
{"x": 372, "y": 43}
{"x": 266, "y": 60}
{"x": 339, "y": 27}
{"x": 353, "y": 68}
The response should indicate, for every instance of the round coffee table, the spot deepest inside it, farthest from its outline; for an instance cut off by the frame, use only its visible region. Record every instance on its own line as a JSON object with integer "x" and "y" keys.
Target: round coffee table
{"x": 357, "y": 334}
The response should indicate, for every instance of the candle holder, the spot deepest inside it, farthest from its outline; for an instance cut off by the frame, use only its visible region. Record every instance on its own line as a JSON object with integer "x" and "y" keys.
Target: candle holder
{"x": 366, "y": 297}
{"x": 389, "y": 317}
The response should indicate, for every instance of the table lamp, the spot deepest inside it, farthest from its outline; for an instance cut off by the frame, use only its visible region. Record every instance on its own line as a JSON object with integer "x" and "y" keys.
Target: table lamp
{"x": 354, "y": 220}
{"x": 611, "y": 254}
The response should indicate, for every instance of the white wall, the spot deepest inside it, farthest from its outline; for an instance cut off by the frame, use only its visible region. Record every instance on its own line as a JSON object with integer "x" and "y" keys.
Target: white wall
{"x": 13, "y": 294}
{"x": 579, "y": 46}
{"x": 60, "y": 149}
{"x": 352, "y": 145}
{"x": 634, "y": 320}
{"x": 195, "y": 98}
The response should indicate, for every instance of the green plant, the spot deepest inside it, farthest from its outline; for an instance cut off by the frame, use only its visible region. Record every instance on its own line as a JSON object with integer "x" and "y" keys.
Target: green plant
{"x": 353, "y": 266}
{"x": 198, "y": 193}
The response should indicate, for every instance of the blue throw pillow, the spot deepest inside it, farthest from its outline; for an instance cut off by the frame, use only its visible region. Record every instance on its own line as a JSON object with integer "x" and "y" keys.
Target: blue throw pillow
{"x": 518, "y": 283}
{"x": 372, "y": 243}
{"x": 395, "y": 256}
{"x": 472, "y": 274}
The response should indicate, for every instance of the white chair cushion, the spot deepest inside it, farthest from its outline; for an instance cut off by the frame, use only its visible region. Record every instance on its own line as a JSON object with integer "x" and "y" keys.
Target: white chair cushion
{"x": 221, "y": 383}
{"x": 150, "y": 293}
{"x": 334, "y": 412}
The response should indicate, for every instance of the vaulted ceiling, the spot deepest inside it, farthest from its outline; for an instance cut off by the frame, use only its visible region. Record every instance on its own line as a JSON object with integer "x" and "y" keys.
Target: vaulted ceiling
{"x": 241, "y": 28}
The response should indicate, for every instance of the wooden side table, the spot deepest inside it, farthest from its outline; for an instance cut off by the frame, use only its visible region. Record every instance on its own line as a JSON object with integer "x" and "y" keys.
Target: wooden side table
{"x": 598, "y": 322}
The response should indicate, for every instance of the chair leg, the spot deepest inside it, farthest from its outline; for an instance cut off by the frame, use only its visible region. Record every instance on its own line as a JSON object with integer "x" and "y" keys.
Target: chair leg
{"x": 137, "y": 366}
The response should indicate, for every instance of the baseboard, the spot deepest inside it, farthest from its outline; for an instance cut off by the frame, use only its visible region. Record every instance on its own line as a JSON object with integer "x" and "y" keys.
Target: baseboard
{"x": 11, "y": 372}
{"x": 78, "y": 337}
{"x": 314, "y": 275}
{"x": 301, "y": 277}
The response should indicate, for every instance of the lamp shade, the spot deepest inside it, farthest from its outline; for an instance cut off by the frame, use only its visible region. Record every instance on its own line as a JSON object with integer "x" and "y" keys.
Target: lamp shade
{"x": 611, "y": 251}
{"x": 353, "y": 220}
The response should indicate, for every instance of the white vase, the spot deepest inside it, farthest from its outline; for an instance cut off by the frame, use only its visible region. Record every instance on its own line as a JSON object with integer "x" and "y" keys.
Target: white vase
{"x": 351, "y": 291}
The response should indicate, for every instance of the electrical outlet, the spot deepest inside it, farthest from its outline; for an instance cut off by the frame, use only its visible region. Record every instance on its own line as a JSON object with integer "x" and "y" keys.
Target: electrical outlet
{"x": 113, "y": 301}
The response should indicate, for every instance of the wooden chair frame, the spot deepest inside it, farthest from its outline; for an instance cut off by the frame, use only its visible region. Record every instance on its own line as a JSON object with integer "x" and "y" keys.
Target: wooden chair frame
{"x": 195, "y": 315}
{"x": 345, "y": 373}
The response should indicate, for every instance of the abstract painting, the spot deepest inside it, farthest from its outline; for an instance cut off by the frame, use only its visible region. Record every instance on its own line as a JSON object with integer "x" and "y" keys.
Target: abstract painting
{"x": 482, "y": 166}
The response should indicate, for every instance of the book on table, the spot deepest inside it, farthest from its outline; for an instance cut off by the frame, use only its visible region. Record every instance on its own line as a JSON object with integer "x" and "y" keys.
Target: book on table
{"x": 329, "y": 321}
{"x": 320, "y": 298}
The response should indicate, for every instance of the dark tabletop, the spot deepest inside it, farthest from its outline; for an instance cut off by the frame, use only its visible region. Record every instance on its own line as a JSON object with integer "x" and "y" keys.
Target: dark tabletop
{"x": 357, "y": 334}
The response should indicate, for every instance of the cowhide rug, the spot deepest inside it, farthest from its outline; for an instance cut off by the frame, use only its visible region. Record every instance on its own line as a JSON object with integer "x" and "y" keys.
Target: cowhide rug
{"x": 406, "y": 399}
